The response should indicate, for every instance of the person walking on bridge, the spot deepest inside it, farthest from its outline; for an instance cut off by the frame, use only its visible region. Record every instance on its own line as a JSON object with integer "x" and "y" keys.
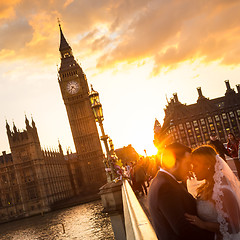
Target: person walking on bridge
{"x": 218, "y": 146}
{"x": 140, "y": 177}
{"x": 232, "y": 145}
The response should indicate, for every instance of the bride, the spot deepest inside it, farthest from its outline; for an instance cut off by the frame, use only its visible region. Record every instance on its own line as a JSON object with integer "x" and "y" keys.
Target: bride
{"x": 218, "y": 198}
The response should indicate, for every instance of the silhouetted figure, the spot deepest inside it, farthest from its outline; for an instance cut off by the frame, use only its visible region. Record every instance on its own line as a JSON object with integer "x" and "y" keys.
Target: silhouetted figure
{"x": 140, "y": 177}
{"x": 232, "y": 145}
{"x": 218, "y": 146}
{"x": 132, "y": 176}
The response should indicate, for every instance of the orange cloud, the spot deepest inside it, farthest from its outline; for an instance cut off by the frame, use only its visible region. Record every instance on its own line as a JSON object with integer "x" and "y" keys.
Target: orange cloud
{"x": 5, "y": 54}
{"x": 7, "y": 9}
{"x": 68, "y": 2}
{"x": 172, "y": 32}
{"x": 42, "y": 24}
{"x": 167, "y": 32}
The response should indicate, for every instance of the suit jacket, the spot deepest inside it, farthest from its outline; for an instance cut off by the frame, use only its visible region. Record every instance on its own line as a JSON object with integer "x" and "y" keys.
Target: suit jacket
{"x": 168, "y": 202}
{"x": 219, "y": 147}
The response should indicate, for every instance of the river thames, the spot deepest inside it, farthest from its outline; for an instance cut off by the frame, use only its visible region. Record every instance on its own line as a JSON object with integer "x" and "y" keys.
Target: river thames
{"x": 80, "y": 222}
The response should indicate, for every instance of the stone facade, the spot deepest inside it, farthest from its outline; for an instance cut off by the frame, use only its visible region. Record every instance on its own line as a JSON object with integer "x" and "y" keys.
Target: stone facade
{"x": 75, "y": 173}
{"x": 192, "y": 124}
{"x": 87, "y": 169}
{"x": 31, "y": 179}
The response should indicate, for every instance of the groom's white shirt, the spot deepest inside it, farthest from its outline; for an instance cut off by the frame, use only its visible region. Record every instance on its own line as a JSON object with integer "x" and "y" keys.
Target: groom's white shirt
{"x": 163, "y": 170}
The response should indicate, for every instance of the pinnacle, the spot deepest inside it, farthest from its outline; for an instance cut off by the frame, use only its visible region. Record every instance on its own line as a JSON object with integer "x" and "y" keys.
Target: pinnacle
{"x": 63, "y": 42}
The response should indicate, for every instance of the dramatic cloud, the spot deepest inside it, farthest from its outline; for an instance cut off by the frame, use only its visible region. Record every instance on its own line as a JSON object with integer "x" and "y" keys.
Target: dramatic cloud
{"x": 7, "y": 9}
{"x": 168, "y": 31}
{"x": 176, "y": 31}
{"x": 15, "y": 34}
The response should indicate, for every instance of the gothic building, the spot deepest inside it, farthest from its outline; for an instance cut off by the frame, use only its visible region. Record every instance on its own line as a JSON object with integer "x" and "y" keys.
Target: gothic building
{"x": 31, "y": 179}
{"x": 88, "y": 168}
{"x": 192, "y": 124}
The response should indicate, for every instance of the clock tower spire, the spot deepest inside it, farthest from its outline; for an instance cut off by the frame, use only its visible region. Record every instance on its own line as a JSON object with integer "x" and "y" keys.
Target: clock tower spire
{"x": 89, "y": 169}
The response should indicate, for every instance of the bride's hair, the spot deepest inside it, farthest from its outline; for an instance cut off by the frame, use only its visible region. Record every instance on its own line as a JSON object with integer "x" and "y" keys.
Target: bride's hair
{"x": 208, "y": 155}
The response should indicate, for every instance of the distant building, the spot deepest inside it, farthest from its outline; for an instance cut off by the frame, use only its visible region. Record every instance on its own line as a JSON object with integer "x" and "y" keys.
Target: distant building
{"x": 88, "y": 172}
{"x": 31, "y": 179}
{"x": 192, "y": 124}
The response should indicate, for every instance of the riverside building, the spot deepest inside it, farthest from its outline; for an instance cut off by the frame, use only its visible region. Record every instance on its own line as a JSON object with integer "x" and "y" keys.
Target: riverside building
{"x": 31, "y": 179}
{"x": 192, "y": 124}
{"x": 87, "y": 168}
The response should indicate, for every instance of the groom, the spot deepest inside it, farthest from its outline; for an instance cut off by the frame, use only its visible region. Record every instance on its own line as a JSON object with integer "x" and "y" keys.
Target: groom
{"x": 169, "y": 200}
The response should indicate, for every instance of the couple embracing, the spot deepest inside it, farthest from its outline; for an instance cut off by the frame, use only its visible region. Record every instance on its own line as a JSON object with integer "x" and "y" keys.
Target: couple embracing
{"x": 215, "y": 212}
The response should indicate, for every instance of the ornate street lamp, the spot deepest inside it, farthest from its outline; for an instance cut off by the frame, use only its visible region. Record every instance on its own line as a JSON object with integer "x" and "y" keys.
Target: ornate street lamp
{"x": 98, "y": 114}
{"x": 112, "y": 152}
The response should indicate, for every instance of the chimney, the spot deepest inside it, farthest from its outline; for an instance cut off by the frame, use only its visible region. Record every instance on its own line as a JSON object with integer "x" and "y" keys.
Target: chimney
{"x": 175, "y": 97}
{"x": 200, "y": 95}
{"x": 4, "y": 156}
{"x": 238, "y": 88}
{"x": 227, "y": 85}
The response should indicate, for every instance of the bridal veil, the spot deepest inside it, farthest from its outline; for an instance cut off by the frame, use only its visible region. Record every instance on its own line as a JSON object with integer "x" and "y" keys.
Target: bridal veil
{"x": 226, "y": 195}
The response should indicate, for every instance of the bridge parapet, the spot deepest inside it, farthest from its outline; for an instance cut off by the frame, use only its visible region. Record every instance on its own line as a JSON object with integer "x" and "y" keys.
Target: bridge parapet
{"x": 137, "y": 225}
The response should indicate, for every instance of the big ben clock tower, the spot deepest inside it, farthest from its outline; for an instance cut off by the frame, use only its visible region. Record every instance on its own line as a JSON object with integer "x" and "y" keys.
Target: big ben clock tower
{"x": 74, "y": 89}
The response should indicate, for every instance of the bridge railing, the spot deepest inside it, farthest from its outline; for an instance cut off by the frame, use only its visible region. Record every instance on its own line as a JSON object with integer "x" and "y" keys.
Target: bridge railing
{"x": 137, "y": 225}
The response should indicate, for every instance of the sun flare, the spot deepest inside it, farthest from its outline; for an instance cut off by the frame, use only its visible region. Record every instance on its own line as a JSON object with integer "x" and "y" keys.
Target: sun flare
{"x": 168, "y": 159}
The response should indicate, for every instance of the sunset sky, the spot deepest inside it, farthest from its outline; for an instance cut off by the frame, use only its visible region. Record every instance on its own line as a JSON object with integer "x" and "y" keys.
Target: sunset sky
{"x": 134, "y": 52}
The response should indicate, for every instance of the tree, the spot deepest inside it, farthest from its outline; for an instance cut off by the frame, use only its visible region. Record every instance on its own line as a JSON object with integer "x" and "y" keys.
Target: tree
{"x": 127, "y": 154}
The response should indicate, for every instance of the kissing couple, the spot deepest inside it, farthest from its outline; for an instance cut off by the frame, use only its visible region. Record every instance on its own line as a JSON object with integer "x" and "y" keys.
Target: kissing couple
{"x": 215, "y": 212}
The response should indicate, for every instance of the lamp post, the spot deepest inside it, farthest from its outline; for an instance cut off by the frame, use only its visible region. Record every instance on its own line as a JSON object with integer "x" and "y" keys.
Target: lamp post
{"x": 111, "y": 146}
{"x": 98, "y": 114}
{"x": 111, "y": 193}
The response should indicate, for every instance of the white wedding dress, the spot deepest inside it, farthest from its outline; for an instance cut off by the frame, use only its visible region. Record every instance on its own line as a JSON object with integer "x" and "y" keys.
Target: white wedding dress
{"x": 207, "y": 212}
{"x": 226, "y": 195}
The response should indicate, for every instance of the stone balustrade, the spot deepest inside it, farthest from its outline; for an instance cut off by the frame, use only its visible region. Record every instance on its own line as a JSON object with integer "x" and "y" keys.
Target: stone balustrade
{"x": 137, "y": 225}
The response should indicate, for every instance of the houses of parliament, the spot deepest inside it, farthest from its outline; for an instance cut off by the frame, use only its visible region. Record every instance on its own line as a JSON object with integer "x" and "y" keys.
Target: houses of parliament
{"x": 33, "y": 179}
{"x": 193, "y": 124}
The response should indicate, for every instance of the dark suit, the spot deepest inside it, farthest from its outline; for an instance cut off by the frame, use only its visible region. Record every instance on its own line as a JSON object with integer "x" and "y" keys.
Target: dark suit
{"x": 168, "y": 202}
{"x": 219, "y": 147}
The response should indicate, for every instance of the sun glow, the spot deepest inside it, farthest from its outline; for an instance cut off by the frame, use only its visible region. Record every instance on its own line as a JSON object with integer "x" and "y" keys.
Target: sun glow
{"x": 150, "y": 150}
{"x": 168, "y": 159}
{"x": 132, "y": 77}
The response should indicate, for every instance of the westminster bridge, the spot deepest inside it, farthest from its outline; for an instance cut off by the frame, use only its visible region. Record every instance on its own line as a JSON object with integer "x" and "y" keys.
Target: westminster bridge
{"x": 127, "y": 218}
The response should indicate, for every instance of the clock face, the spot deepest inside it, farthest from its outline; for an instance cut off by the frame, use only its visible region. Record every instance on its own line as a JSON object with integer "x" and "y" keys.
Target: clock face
{"x": 73, "y": 87}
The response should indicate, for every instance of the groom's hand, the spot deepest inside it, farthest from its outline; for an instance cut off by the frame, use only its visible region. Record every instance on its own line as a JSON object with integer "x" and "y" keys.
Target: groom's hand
{"x": 195, "y": 220}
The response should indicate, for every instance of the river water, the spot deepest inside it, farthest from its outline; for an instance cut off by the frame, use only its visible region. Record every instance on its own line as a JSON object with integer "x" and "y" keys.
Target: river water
{"x": 81, "y": 222}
